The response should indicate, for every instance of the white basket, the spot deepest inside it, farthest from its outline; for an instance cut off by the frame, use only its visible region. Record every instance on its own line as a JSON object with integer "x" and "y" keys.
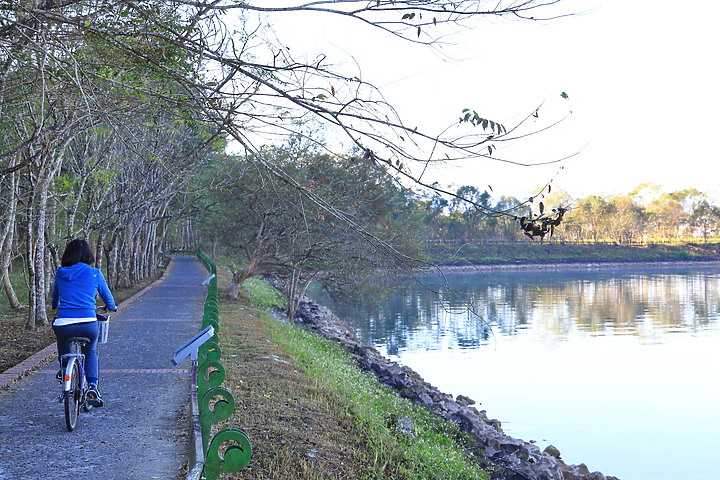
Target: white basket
{"x": 103, "y": 327}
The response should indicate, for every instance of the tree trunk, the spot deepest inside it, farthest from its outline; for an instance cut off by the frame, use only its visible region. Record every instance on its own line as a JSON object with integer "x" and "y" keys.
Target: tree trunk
{"x": 111, "y": 255}
{"x": 162, "y": 248}
{"x": 99, "y": 250}
{"x": 126, "y": 262}
{"x": 38, "y": 315}
{"x": 7, "y": 241}
{"x": 30, "y": 265}
{"x": 233, "y": 288}
{"x": 291, "y": 285}
{"x": 36, "y": 243}
{"x": 152, "y": 251}
{"x": 10, "y": 291}
{"x": 295, "y": 293}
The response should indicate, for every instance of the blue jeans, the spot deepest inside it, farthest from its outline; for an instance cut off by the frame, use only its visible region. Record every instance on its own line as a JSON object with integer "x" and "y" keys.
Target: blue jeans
{"x": 85, "y": 329}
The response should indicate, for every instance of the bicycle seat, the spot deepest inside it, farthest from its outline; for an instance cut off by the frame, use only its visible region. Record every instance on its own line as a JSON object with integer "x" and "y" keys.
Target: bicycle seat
{"x": 80, "y": 340}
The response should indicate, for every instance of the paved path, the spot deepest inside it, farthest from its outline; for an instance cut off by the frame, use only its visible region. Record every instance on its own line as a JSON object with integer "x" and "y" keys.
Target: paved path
{"x": 141, "y": 432}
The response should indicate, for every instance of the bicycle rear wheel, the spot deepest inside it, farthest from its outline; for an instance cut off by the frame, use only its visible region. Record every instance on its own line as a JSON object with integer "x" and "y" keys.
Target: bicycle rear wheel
{"x": 72, "y": 396}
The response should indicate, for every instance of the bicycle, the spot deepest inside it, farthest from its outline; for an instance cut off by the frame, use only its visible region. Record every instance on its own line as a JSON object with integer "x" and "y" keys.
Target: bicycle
{"x": 74, "y": 383}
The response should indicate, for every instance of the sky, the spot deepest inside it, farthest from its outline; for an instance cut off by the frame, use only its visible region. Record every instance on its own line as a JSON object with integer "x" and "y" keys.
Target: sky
{"x": 641, "y": 76}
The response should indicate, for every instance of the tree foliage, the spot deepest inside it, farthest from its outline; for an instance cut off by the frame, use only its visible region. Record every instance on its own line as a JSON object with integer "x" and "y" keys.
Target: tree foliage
{"x": 622, "y": 219}
{"x": 267, "y": 227}
{"x": 85, "y": 153}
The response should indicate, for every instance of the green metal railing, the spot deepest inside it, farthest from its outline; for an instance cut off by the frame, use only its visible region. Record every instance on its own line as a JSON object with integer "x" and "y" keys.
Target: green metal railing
{"x": 229, "y": 449}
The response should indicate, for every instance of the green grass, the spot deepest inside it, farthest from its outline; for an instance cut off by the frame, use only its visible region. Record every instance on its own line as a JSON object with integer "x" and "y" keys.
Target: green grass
{"x": 261, "y": 294}
{"x": 433, "y": 451}
{"x": 571, "y": 253}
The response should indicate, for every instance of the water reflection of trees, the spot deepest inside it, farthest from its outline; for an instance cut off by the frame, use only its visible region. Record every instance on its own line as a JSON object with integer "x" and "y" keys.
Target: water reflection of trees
{"x": 465, "y": 312}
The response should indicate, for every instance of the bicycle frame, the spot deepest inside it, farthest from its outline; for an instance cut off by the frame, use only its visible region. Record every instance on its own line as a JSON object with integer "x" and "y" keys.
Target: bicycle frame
{"x": 74, "y": 385}
{"x": 69, "y": 360}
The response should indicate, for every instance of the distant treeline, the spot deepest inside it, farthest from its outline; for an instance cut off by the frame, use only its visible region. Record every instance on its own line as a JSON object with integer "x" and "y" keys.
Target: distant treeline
{"x": 641, "y": 216}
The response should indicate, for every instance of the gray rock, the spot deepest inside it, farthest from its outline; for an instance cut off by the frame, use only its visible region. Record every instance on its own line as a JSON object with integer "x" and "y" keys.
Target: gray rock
{"x": 425, "y": 399}
{"x": 552, "y": 450}
{"x": 451, "y": 407}
{"x": 595, "y": 476}
{"x": 465, "y": 401}
{"x": 581, "y": 468}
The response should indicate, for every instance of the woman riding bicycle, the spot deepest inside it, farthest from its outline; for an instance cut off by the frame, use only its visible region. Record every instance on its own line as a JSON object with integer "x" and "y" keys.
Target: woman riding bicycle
{"x": 74, "y": 291}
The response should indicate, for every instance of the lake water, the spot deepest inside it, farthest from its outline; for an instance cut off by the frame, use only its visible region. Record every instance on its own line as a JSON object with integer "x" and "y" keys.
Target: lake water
{"x": 619, "y": 369}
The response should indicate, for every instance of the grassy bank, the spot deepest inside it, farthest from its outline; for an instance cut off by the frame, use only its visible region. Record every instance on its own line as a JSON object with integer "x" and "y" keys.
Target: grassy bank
{"x": 546, "y": 253}
{"x": 312, "y": 414}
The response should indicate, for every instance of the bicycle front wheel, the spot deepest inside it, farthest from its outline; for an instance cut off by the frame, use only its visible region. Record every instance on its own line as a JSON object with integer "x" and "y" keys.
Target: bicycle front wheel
{"x": 72, "y": 396}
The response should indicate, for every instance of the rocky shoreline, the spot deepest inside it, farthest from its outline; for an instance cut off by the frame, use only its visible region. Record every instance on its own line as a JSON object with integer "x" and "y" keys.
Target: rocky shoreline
{"x": 507, "y": 458}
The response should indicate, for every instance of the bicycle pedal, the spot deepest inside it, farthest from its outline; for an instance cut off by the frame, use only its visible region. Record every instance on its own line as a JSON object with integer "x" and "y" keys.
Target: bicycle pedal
{"x": 93, "y": 398}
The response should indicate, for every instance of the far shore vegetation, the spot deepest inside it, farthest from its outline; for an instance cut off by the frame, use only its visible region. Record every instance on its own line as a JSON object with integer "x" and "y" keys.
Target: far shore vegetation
{"x": 565, "y": 252}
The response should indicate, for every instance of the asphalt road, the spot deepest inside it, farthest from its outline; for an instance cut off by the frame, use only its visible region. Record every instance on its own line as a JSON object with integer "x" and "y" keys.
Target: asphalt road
{"x": 141, "y": 432}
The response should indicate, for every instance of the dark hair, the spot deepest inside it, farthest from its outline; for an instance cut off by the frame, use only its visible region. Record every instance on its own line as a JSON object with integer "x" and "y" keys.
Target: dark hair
{"x": 77, "y": 251}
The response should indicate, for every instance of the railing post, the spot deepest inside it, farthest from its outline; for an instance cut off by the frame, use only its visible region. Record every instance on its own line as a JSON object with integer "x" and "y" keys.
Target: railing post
{"x": 216, "y": 403}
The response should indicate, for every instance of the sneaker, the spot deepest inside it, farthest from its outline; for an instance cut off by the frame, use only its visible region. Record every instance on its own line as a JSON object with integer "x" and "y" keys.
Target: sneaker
{"x": 59, "y": 375}
{"x": 93, "y": 397}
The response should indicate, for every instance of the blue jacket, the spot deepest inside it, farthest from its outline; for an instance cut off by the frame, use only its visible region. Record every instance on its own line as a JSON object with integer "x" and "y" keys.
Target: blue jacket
{"x": 75, "y": 289}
